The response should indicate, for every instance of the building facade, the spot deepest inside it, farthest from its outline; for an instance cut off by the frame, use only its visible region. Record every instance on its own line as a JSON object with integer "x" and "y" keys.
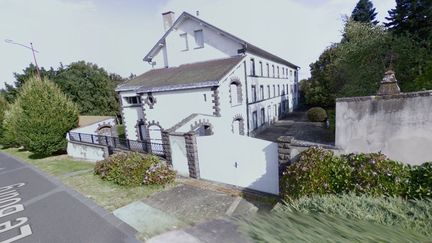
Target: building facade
{"x": 209, "y": 78}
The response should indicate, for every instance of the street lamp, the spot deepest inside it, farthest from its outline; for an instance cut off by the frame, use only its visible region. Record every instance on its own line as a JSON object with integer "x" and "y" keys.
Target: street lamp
{"x": 28, "y": 47}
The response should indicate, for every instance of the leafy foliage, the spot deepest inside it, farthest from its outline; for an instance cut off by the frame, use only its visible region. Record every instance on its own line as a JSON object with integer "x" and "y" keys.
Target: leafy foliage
{"x": 421, "y": 181}
{"x": 126, "y": 169}
{"x": 3, "y": 107}
{"x": 319, "y": 171}
{"x": 42, "y": 117}
{"x": 9, "y": 137}
{"x": 88, "y": 85}
{"x": 159, "y": 174}
{"x": 316, "y": 114}
{"x": 345, "y": 219}
{"x": 364, "y": 12}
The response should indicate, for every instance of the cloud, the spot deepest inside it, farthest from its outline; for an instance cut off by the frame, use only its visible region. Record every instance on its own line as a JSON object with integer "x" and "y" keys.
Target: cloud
{"x": 117, "y": 34}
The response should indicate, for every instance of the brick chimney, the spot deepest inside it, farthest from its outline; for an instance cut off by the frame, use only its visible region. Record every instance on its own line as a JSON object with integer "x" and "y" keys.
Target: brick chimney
{"x": 389, "y": 84}
{"x": 168, "y": 19}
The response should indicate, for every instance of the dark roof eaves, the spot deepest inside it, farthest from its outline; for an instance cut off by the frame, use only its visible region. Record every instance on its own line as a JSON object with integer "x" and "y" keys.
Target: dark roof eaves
{"x": 204, "y": 84}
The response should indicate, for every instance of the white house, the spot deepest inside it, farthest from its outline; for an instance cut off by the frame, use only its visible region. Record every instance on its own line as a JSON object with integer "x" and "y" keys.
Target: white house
{"x": 201, "y": 69}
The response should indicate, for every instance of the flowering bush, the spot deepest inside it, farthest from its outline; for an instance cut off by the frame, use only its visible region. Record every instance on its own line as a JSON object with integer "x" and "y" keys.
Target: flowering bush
{"x": 160, "y": 174}
{"x": 321, "y": 172}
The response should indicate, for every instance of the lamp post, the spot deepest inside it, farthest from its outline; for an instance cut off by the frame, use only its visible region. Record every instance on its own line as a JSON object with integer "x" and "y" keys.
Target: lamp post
{"x": 28, "y": 47}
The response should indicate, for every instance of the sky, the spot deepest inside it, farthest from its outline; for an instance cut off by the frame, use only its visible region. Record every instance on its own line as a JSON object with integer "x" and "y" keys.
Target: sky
{"x": 117, "y": 34}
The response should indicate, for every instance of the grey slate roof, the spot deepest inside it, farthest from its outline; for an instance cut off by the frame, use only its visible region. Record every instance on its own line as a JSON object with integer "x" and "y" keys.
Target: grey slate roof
{"x": 193, "y": 75}
{"x": 246, "y": 45}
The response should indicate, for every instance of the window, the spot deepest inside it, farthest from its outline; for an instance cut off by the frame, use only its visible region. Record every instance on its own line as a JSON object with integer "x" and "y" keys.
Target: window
{"x": 252, "y": 67}
{"x": 268, "y": 91}
{"x": 278, "y": 90}
{"x": 291, "y": 72}
{"x": 186, "y": 44}
{"x": 274, "y": 90}
{"x": 133, "y": 100}
{"x": 278, "y": 72}
{"x": 236, "y": 93}
{"x": 262, "y": 92}
{"x": 205, "y": 97}
{"x": 199, "y": 38}
{"x": 273, "y": 71}
{"x": 268, "y": 70}
{"x": 291, "y": 89}
{"x": 254, "y": 120}
{"x": 262, "y": 116}
{"x": 254, "y": 95}
{"x": 261, "y": 69}
{"x": 283, "y": 72}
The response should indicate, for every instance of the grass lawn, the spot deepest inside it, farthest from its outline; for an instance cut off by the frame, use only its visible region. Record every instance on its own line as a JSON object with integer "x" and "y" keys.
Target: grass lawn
{"x": 106, "y": 194}
{"x": 55, "y": 165}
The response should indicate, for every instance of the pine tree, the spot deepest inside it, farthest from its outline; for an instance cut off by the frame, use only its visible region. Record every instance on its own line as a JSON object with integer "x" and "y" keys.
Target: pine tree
{"x": 413, "y": 17}
{"x": 364, "y": 12}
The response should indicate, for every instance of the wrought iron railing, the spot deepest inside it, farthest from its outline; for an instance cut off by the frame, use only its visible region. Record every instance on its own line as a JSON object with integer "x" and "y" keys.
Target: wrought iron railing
{"x": 150, "y": 146}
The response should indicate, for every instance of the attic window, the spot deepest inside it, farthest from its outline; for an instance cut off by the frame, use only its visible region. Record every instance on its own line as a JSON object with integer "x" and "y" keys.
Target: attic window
{"x": 199, "y": 38}
{"x": 134, "y": 100}
{"x": 184, "y": 37}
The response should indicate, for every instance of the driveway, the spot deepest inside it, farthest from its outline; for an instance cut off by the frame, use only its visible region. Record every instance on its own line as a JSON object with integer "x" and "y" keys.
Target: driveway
{"x": 297, "y": 125}
{"x": 35, "y": 208}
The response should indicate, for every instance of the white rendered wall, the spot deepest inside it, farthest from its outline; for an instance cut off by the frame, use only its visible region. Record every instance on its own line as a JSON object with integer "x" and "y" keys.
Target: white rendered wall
{"x": 216, "y": 46}
{"x": 171, "y": 107}
{"x": 178, "y": 155}
{"x": 256, "y": 161}
{"x": 85, "y": 152}
{"x": 131, "y": 115}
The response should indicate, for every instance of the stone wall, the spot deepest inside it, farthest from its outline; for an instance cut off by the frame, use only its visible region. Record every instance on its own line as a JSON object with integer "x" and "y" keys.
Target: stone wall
{"x": 398, "y": 125}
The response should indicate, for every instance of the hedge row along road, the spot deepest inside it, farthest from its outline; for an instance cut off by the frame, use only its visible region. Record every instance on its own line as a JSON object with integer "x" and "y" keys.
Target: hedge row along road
{"x": 37, "y": 208}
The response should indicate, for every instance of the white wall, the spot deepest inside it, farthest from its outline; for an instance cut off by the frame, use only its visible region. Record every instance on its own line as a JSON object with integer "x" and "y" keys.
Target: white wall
{"x": 173, "y": 106}
{"x": 257, "y": 161}
{"x": 131, "y": 114}
{"x": 85, "y": 152}
{"x": 178, "y": 155}
{"x": 400, "y": 127}
{"x": 216, "y": 46}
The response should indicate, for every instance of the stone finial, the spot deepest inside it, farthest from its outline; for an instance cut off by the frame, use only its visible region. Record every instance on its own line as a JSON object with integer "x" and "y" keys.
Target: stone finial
{"x": 389, "y": 84}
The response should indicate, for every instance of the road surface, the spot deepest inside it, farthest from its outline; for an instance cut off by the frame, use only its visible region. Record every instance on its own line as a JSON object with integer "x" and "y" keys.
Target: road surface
{"x": 35, "y": 208}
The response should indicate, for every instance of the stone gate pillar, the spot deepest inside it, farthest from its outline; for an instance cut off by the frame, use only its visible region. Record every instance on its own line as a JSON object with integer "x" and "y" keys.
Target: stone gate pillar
{"x": 284, "y": 149}
{"x": 167, "y": 147}
{"x": 192, "y": 154}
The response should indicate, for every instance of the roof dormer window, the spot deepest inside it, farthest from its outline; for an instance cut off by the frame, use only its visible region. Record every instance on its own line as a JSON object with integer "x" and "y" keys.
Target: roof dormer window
{"x": 199, "y": 38}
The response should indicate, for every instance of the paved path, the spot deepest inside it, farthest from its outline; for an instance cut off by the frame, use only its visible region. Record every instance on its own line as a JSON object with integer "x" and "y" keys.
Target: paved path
{"x": 39, "y": 209}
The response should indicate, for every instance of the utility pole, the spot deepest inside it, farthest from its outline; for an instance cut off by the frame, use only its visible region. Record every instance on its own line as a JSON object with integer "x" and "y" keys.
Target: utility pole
{"x": 33, "y": 51}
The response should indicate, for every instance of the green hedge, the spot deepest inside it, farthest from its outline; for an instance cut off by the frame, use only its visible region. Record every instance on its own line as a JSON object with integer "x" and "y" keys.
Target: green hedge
{"x": 346, "y": 218}
{"x": 319, "y": 171}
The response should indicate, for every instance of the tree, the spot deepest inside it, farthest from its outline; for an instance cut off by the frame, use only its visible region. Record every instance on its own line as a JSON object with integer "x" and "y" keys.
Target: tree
{"x": 364, "y": 12}
{"x": 11, "y": 116}
{"x": 3, "y": 107}
{"x": 90, "y": 87}
{"x": 412, "y": 17}
{"x": 45, "y": 114}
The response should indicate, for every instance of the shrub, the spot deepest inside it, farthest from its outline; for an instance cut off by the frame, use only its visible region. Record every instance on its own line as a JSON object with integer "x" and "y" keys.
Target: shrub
{"x": 318, "y": 171}
{"x": 160, "y": 174}
{"x": 421, "y": 181}
{"x": 316, "y": 114}
{"x": 45, "y": 116}
{"x": 321, "y": 172}
{"x": 343, "y": 219}
{"x": 126, "y": 169}
{"x": 9, "y": 136}
{"x": 3, "y": 107}
{"x": 375, "y": 174}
